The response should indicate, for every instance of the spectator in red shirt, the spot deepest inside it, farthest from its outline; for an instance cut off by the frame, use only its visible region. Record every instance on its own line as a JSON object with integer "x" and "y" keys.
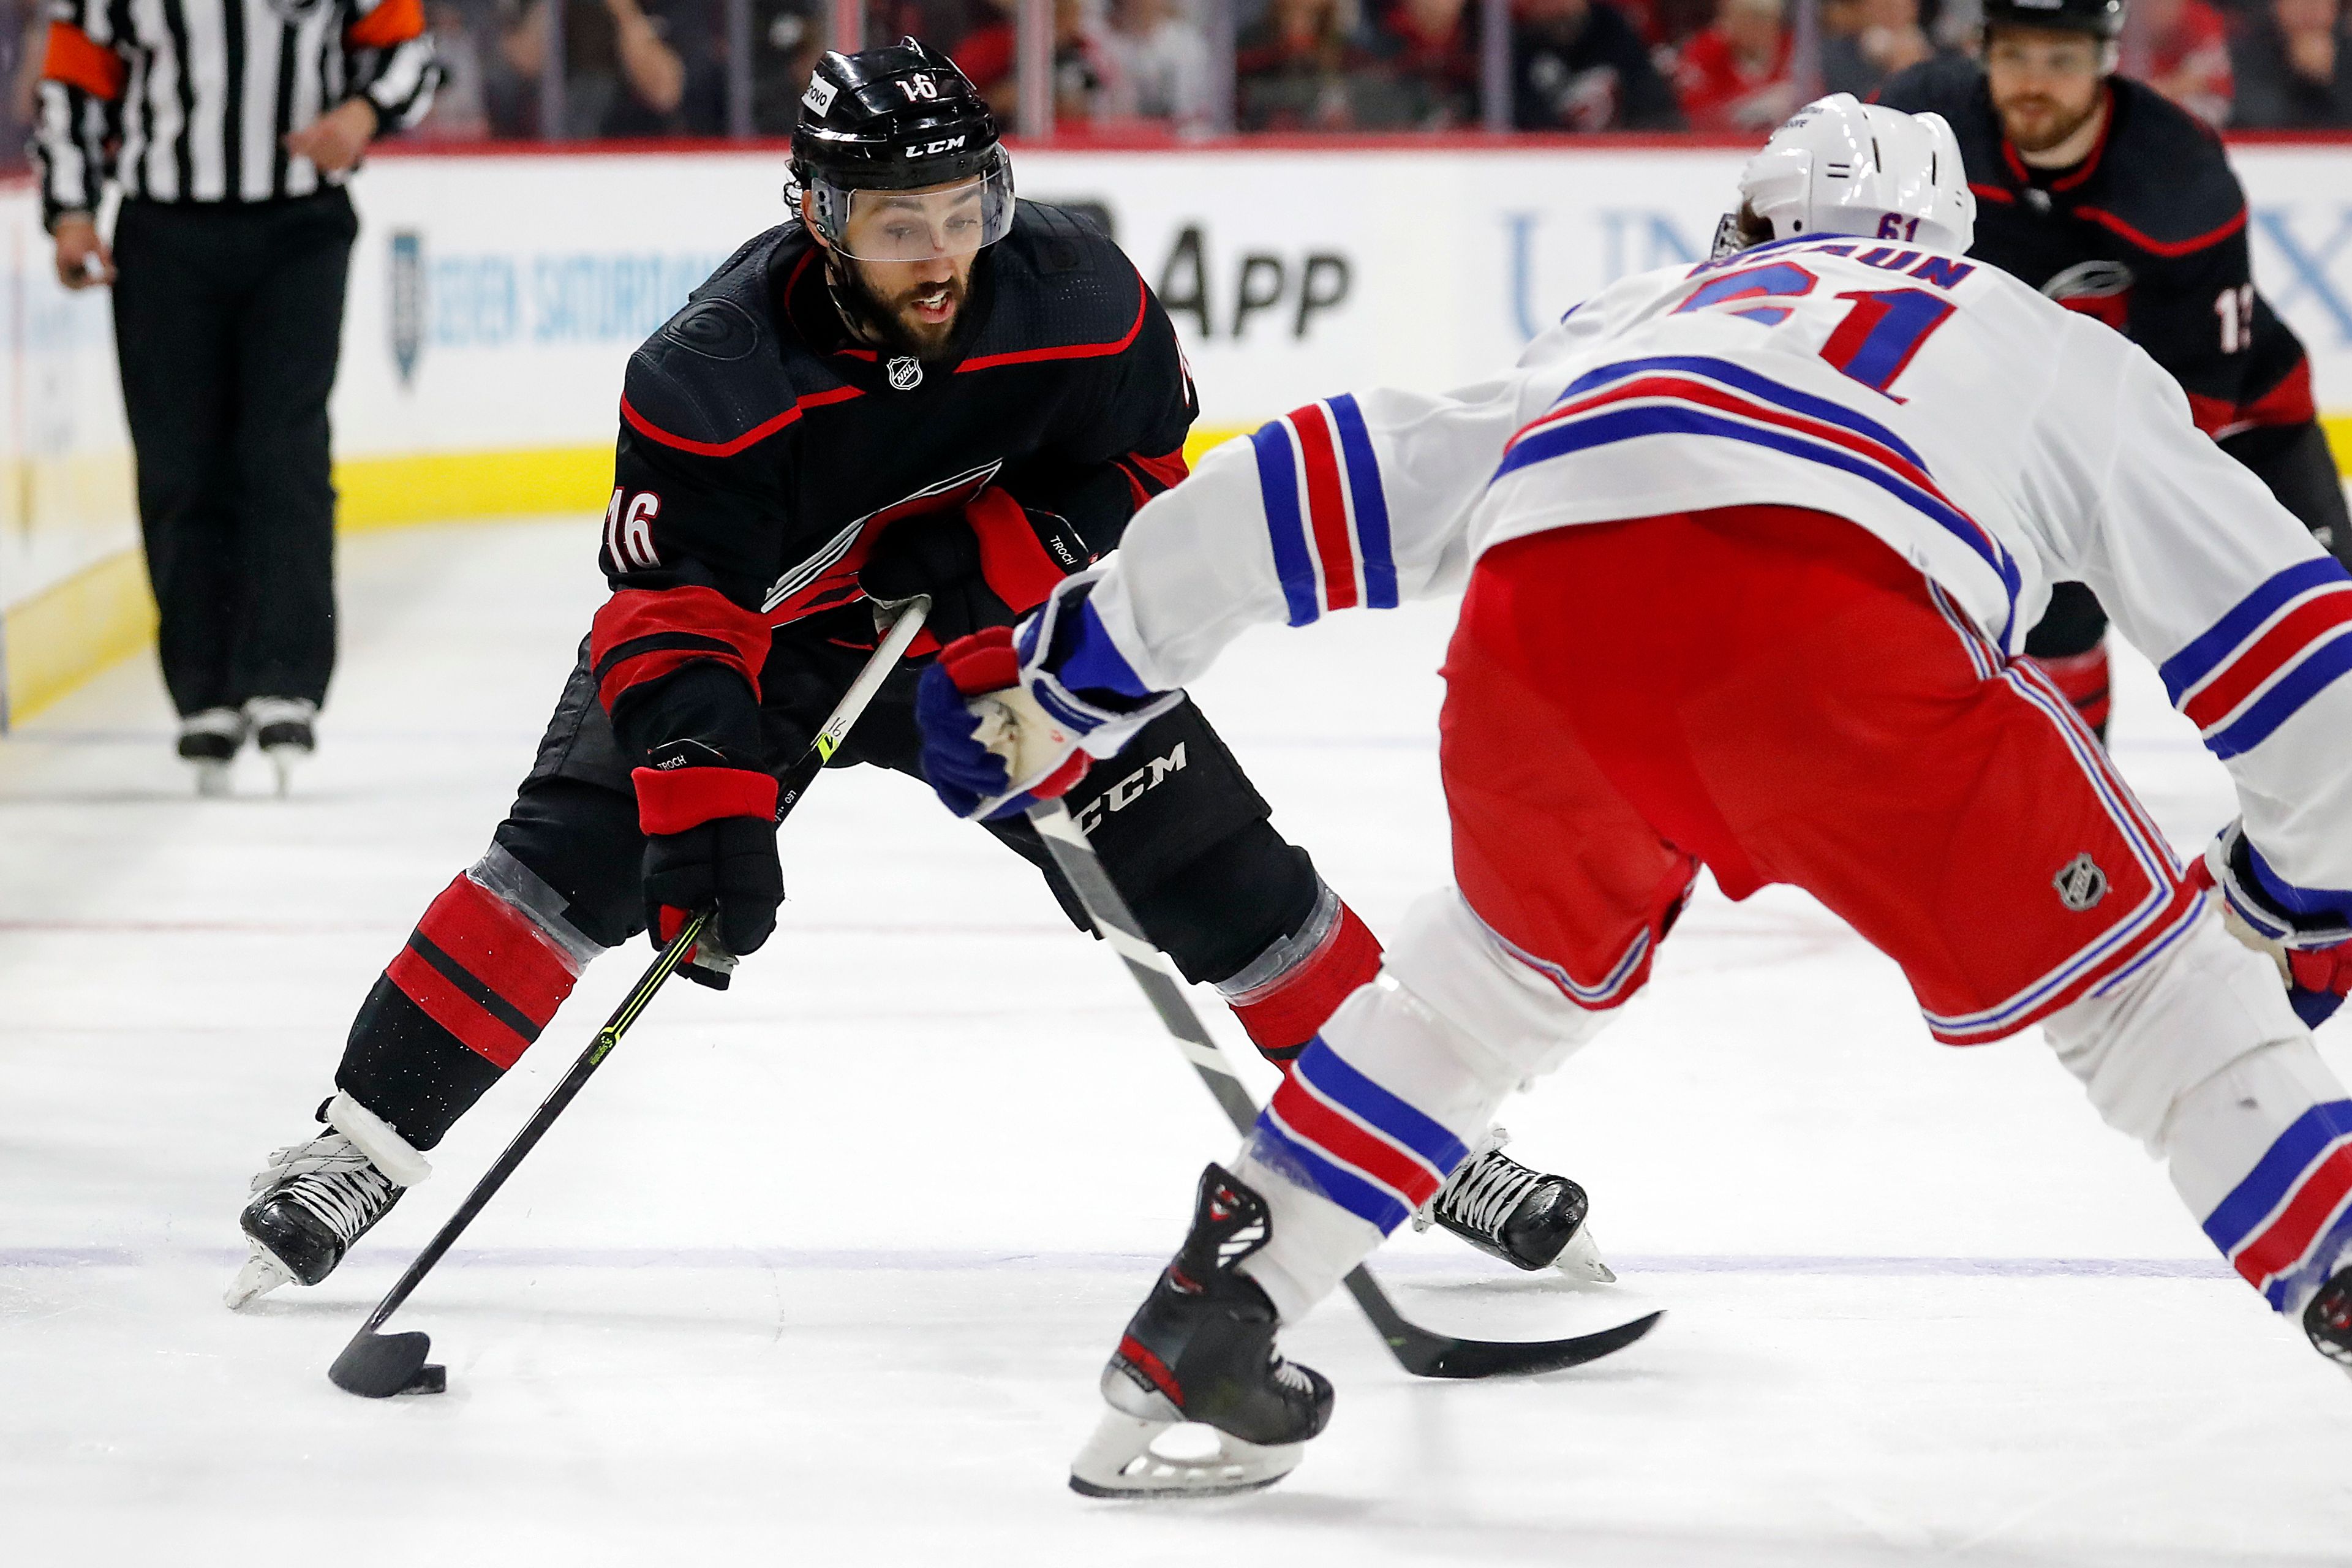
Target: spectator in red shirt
{"x": 1735, "y": 75}
{"x": 2187, "y": 56}
{"x": 1429, "y": 50}
{"x": 1298, "y": 65}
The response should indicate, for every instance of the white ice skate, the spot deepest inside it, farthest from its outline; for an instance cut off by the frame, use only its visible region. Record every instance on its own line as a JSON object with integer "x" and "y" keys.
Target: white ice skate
{"x": 1125, "y": 1458}
{"x": 285, "y": 727}
{"x": 209, "y": 741}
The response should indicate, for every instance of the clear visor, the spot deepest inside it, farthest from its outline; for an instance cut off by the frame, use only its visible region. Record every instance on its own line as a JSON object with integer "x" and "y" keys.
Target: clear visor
{"x": 928, "y": 225}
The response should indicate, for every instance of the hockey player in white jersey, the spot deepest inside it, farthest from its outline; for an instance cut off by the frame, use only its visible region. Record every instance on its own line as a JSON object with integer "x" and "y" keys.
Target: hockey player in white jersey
{"x": 1675, "y": 523}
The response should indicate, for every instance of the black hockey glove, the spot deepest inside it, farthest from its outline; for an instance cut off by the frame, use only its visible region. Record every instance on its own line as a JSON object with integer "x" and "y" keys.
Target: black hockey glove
{"x": 711, "y": 844}
{"x": 987, "y": 566}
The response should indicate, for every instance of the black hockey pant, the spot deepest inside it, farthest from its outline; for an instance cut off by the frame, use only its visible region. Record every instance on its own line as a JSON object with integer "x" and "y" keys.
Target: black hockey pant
{"x": 1180, "y": 827}
{"x": 228, "y": 319}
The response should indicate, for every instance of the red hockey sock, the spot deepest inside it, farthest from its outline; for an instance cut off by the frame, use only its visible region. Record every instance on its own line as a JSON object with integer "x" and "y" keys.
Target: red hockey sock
{"x": 1283, "y": 1014}
{"x": 477, "y": 966}
{"x": 2083, "y": 676}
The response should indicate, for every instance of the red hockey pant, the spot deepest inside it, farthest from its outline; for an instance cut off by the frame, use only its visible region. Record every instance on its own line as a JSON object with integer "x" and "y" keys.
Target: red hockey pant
{"x": 1773, "y": 693}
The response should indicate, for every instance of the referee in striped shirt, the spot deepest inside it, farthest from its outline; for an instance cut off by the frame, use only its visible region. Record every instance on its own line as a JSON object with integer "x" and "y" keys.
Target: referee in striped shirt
{"x": 229, "y": 126}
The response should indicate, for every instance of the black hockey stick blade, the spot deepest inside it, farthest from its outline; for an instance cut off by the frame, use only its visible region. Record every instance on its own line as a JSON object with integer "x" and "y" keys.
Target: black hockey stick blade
{"x": 377, "y": 1366}
{"x": 1427, "y": 1354}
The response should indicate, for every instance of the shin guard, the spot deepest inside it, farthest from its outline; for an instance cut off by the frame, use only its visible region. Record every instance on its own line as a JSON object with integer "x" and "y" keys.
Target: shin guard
{"x": 1284, "y": 994}
{"x": 2200, "y": 1058}
{"x": 482, "y": 970}
{"x": 481, "y": 975}
{"x": 1402, "y": 1079}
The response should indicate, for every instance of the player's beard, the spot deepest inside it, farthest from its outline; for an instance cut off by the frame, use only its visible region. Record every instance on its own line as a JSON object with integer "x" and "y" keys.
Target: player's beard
{"x": 892, "y": 320}
{"x": 2035, "y": 122}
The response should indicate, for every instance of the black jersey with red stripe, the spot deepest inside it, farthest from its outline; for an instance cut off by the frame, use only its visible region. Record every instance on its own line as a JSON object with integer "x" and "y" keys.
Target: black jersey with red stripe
{"x": 2147, "y": 233}
{"x": 763, "y": 449}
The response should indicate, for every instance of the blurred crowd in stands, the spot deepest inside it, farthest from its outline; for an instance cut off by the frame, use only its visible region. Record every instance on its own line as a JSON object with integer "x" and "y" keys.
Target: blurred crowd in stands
{"x": 636, "y": 68}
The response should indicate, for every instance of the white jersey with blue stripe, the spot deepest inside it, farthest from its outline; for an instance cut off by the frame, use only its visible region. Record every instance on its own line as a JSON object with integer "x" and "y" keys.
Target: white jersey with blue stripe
{"x": 1994, "y": 439}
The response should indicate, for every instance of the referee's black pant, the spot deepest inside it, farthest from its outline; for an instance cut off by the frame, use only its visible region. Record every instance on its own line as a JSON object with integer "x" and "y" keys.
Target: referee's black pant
{"x": 228, "y": 319}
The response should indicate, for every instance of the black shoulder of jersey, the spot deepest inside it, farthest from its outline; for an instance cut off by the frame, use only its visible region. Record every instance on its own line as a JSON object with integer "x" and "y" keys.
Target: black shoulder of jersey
{"x": 1949, "y": 85}
{"x": 1954, "y": 87}
{"x": 714, "y": 375}
{"x": 2163, "y": 173}
{"x": 1061, "y": 290}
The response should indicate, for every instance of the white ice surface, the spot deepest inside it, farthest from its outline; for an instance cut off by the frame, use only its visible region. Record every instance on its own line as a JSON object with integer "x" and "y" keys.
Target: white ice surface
{"x": 821, "y": 1271}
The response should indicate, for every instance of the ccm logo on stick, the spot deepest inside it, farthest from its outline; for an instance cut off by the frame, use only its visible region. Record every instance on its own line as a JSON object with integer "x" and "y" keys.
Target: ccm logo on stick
{"x": 1129, "y": 790}
{"x": 629, "y": 530}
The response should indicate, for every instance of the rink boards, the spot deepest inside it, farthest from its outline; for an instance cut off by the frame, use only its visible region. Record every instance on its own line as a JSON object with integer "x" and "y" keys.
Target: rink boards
{"x": 495, "y": 299}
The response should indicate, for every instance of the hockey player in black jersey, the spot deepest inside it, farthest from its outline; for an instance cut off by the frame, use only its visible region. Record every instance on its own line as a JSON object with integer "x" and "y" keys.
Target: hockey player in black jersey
{"x": 918, "y": 386}
{"x": 2108, "y": 198}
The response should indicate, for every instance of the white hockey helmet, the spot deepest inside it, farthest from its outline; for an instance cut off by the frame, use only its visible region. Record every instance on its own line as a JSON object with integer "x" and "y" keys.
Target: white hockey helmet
{"x": 1842, "y": 166}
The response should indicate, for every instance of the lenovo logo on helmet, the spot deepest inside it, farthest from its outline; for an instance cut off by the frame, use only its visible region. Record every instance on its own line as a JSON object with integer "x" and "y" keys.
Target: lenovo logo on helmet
{"x": 932, "y": 149}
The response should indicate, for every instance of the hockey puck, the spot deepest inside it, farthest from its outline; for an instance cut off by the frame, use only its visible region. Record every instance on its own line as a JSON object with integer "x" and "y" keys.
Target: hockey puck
{"x": 431, "y": 1378}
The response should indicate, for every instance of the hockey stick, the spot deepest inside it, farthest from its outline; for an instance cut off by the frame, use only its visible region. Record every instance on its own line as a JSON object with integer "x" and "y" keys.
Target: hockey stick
{"x": 378, "y": 1365}
{"x": 1417, "y": 1349}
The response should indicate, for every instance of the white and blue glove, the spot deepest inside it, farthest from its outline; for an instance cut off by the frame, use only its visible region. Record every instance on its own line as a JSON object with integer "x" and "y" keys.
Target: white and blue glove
{"x": 1011, "y": 716}
{"x": 2308, "y": 939}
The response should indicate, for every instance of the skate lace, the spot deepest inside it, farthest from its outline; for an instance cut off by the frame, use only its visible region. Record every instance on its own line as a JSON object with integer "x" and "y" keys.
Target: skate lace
{"x": 329, "y": 1177}
{"x": 1290, "y": 1376}
{"x": 1486, "y": 1191}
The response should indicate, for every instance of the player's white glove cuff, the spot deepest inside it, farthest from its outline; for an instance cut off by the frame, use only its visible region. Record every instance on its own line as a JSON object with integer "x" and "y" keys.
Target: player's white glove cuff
{"x": 2238, "y": 872}
{"x": 1065, "y": 649}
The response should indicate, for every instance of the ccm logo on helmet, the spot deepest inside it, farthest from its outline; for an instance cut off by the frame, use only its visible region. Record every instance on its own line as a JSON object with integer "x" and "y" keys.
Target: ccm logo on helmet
{"x": 931, "y": 149}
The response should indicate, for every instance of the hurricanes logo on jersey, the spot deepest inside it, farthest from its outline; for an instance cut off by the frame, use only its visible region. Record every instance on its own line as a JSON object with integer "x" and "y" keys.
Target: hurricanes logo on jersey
{"x": 2081, "y": 884}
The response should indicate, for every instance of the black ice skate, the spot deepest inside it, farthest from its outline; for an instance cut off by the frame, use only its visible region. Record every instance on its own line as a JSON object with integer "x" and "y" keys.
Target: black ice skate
{"x": 209, "y": 741}
{"x": 284, "y": 727}
{"x": 1525, "y": 1218}
{"x": 2329, "y": 1319}
{"x": 315, "y": 1199}
{"x": 1201, "y": 1349}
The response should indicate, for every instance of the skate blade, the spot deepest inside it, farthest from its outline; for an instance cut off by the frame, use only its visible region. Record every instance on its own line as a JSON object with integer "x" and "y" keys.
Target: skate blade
{"x": 211, "y": 779}
{"x": 260, "y": 1276}
{"x": 282, "y": 760}
{"x": 1580, "y": 1259}
{"x": 1119, "y": 1461}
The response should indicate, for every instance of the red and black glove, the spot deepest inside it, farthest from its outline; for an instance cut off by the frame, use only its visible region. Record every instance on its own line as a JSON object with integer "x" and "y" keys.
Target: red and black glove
{"x": 986, "y": 566}
{"x": 711, "y": 844}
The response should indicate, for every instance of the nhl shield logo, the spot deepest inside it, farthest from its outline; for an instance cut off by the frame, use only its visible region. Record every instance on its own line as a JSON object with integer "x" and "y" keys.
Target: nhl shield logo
{"x": 905, "y": 372}
{"x": 2082, "y": 884}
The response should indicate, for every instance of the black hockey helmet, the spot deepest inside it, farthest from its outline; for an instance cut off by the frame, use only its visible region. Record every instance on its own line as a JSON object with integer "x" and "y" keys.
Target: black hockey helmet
{"x": 899, "y": 117}
{"x": 2103, "y": 19}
